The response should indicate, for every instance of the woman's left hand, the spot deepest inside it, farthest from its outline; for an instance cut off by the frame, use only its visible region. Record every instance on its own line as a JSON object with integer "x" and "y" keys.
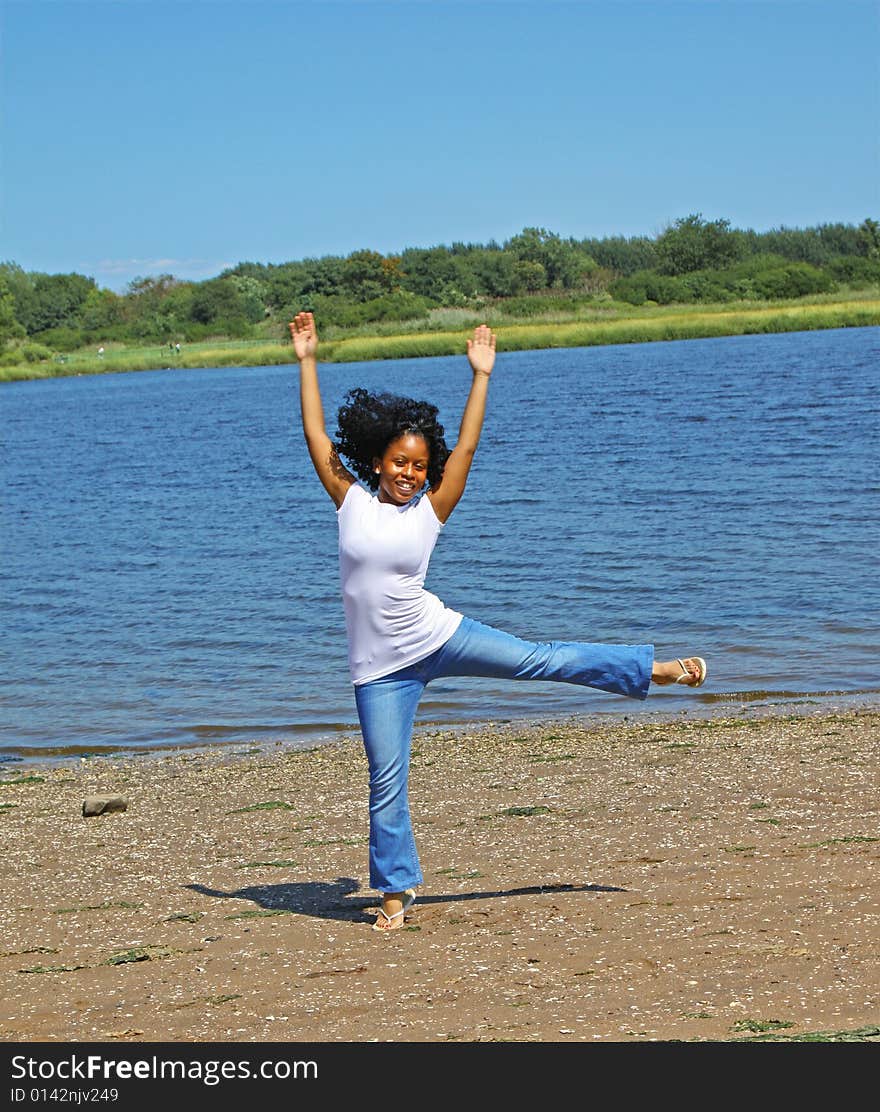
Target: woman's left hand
{"x": 481, "y": 350}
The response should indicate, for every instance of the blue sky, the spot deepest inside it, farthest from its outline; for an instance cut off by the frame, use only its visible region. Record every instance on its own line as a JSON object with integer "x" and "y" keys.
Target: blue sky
{"x": 144, "y": 137}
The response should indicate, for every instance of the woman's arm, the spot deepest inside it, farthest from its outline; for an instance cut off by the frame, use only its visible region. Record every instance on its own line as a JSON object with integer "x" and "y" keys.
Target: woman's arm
{"x": 481, "y": 356}
{"x": 335, "y": 477}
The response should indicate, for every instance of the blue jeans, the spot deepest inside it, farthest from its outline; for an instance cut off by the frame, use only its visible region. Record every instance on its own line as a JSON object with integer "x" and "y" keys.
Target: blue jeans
{"x": 387, "y": 710}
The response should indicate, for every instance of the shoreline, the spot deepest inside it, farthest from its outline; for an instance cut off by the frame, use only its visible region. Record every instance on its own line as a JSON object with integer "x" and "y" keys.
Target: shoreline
{"x": 696, "y": 879}
{"x": 702, "y": 706}
{"x": 662, "y": 323}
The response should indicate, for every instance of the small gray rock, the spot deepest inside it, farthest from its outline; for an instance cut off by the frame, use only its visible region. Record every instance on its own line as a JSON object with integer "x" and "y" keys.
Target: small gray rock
{"x": 103, "y": 804}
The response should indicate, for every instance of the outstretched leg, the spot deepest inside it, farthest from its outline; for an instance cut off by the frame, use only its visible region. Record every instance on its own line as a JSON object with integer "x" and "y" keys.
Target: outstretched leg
{"x": 480, "y": 650}
{"x": 387, "y": 709}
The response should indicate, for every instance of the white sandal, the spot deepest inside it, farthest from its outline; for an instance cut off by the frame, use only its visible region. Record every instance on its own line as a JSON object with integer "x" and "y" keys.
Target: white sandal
{"x": 686, "y": 677}
{"x": 409, "y": 898}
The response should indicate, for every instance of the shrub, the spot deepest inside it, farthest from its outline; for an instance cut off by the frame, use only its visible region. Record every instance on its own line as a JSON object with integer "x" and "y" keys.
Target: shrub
{"x": 793, "y": 280}
{"x": 337, "y": 311}
{"x": 63, "y": 339}
{"x": 238, "y": 328}
{"x": 856, "y": 271}
{"x": 709, "y": 286}
{"x": 400, "y": 305}
{"x": 648, "y": 285}
{"x": 193, "y": 333}
{"x": 665, "y": 290}
{"x": 35, "y": 353}
{"x": 631, "y": 290}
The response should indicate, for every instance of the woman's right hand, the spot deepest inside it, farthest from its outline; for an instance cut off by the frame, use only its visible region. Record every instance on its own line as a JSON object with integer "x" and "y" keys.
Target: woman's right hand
{"x": 304, "y": 335}
{"x": 481, "y": 350}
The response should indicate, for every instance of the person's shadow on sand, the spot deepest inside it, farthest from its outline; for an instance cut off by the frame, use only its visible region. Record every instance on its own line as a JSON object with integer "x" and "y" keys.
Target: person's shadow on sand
{"x": 333, "y": 899}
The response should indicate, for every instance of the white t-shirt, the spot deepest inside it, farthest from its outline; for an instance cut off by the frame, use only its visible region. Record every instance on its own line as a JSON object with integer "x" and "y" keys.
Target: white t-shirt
{"x": 384, "y": 549}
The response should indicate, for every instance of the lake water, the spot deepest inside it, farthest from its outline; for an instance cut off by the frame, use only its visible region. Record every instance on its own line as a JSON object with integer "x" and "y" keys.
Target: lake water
{"x": 169, "y": 558}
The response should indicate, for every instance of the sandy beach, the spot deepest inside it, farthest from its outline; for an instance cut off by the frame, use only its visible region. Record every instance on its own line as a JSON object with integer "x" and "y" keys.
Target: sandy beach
{"x": 693, "y": 878}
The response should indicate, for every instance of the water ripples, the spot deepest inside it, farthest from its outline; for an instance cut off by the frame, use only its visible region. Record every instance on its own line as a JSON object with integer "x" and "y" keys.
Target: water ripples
{"x": 169, "y": 558}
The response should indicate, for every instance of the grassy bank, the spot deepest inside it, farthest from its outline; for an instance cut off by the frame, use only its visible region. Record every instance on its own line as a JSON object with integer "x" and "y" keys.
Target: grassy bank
{"x": 604, "y": 324}
{"x": 660, "y": 325}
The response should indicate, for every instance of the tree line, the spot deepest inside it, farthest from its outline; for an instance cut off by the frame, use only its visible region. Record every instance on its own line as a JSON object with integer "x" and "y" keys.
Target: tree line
{"x": 692, "y": 260}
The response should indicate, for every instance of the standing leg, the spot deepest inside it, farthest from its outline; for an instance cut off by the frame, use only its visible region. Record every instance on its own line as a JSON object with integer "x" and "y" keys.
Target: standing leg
{"x": 480, "y": 650}
{"x": 387, "y": 709}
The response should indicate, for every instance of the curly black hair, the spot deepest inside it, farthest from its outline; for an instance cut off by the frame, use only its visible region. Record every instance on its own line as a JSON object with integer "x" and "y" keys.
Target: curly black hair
{"x": 369, "y": 422}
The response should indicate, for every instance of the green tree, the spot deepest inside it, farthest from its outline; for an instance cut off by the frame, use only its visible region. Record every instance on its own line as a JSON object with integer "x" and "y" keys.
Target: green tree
{"x": 367, "y": 275}
{"x": 531, "y": 275}
{"x": 145, "y": 294}
{"x": 869, "y": 239}
{"x": 146, "y": 312}
{"x": 496, "y": 273}
{"x": 428, "y": 271}
{"x": 837, "y": 240}
{"x": 621, "y": 255}
{"x": 173, "y": 316}
{"x": 102, "y": 311}
{"x": 323, "y": 276}
{"x": 52, "y": 301}
{"x": 21, "y": 286}
{"x": 285, "y": 283}
{"x": 464, "y": 289}
{"x": 252, "y": 296}
{"x": 10, "y": 328}
{"x": 693, "y": 243}
{"x": 566, "y": 264}
{"x": 818, "y": 246}
{"x": 217, "y": 299}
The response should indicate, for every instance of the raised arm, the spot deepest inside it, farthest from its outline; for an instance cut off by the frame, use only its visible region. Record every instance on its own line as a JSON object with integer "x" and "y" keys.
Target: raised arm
{"x": 481, "y": 356}
{"x": 335, "y": 477}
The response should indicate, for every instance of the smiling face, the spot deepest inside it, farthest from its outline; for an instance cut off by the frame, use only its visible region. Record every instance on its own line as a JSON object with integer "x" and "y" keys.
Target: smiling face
{"x": 403, "y": 469}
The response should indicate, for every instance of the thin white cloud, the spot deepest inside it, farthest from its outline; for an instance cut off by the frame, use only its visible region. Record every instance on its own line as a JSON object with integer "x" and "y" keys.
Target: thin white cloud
{"x": 119, "y": 272}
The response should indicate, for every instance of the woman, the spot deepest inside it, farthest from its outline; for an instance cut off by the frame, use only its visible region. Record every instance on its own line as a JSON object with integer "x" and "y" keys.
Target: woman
{"x": 400, "y": 636}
